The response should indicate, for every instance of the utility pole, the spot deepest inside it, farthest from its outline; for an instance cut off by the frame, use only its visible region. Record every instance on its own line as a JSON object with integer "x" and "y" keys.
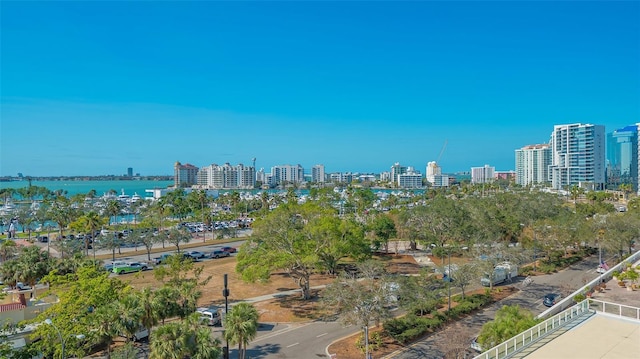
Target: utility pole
{"x": 449, "y": 279}
{"x": 225, "y": 293}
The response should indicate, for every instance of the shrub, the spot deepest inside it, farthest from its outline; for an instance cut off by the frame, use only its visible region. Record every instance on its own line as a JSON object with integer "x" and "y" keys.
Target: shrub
{"x": 410, "y": 327}
{"x": 424, "y": 307}
{"x": 526, "y": 270}
{"x": 395, "y": 327}
{"x": 375, "y": 342}
{"x": 547, "y": 267}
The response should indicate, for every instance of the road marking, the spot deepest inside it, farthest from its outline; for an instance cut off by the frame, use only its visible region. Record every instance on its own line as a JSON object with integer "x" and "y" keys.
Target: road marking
{"x": 292, "y": 345}
{"x": 278, "y": 332}
{"x": 321, "y": 335}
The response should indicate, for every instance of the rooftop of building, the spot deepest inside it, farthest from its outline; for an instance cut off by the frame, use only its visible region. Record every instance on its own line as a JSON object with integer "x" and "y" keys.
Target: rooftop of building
{"x": 601, "y": 336}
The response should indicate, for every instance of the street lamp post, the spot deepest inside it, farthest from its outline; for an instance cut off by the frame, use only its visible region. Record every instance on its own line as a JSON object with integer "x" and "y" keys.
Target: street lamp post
{"x": 449, "y": 279}
{"x": 50, "y": 322}
{"x": 225, "y": 293}
{"x": 535, "y": 254}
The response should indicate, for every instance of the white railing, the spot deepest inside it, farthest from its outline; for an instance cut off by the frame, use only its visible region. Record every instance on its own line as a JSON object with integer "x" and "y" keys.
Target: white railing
{"x": 568, "y": 301}
{"x": 509, "y": 347}
{"x": 619, "y": 310}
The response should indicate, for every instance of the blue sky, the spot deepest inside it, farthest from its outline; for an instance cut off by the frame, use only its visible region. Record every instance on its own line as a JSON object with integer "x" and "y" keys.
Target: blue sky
{"x": 91, "y": 88}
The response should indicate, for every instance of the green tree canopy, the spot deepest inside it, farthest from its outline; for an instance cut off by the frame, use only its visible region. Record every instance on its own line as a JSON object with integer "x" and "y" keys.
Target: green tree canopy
{"x": 285, "y": 239}
{"x": 509, "y": 321}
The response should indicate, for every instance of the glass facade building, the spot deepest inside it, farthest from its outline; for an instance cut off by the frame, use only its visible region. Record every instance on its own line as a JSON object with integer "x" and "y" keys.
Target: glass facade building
{"x": 622, "y": 157}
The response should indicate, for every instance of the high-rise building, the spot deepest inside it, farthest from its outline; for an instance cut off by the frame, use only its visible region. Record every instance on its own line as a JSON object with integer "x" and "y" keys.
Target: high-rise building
{"x": 410, "y": 179}
{"x": 286, "y": 174}
{"x": 227, "y": 177}
{"x": 482, "y": 174}
{"x": 577, "y": 156}
{"x": 622, "y": 157}
{"x": 532, "y": 164}
{"x": 396, "y": 170}
{"x": 184, "y": 175}
{"x": 341, "y": 177}
{"x": 130, "y": 172}
{"x": 435, "y": 177}
{"x": 317, "y": 174}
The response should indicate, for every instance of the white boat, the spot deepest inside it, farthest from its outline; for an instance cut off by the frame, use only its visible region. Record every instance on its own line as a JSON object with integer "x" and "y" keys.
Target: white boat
{"x": 7, "y": 208}
{"x": 124, "y": 197}
{"x": 135, "y": 198}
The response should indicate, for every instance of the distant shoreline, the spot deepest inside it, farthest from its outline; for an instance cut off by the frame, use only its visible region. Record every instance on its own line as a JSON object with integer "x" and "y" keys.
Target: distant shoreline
{"x": 87, "y": 178}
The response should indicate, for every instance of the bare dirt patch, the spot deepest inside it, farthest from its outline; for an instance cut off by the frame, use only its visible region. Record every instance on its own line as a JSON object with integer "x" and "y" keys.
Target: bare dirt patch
{"x": 285, "y": 309}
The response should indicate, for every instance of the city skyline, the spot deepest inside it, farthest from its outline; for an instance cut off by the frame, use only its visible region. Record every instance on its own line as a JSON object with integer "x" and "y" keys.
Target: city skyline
{"x": 92, "y": 88}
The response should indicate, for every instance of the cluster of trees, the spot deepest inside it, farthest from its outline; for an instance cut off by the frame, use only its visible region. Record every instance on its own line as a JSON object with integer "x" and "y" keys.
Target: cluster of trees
{"x": 103, "y": 308}
{"x": 506, "y": 226}
{"x": 331, "y": 228}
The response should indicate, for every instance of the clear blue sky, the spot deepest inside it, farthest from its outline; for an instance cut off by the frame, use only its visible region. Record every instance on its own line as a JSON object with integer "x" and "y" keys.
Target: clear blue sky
{"x": 91, "y": 88}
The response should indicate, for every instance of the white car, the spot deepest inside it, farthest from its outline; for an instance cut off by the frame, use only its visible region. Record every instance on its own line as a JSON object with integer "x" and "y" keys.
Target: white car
{"x": 600, "y": 270}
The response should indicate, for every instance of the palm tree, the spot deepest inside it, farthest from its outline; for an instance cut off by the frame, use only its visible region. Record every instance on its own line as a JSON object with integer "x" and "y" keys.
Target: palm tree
{"x": 626, "y": 188}
{"x": 92, "y": 221}
{"x": 264, "y": 198}
{"x": 203, "y": 346}
{"x": 7, "y": 250}
{"x": 150, "y": 310}
{"x": 130, "y": 313}
{"x": 105, "y": 324}
{"x": 33, "y": 264}
{"x": 199, "y": 198}
{"x": 9, "y": 271}
{"x": 167, "y": 342}
{"x": 241, "y": 326}
{"x": 89, "y": 223}
{"x": 113, "y": 209}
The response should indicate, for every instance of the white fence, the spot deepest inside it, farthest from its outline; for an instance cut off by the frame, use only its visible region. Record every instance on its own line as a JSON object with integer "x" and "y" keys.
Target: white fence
{"x": 538, "y": 331}
{"x": 619, "y": 310}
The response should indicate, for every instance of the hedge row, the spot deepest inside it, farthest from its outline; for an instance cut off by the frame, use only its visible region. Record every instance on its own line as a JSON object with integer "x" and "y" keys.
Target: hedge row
{"x": 407, "y": 328}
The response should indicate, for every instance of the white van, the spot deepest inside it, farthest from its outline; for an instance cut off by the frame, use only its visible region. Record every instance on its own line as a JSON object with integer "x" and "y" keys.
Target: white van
{"x": 141, "y": 334}
{"x": 210, "y": 315}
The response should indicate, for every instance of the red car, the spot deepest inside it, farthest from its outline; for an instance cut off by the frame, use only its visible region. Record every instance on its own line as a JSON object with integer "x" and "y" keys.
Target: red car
{"x": 229, "y": 249}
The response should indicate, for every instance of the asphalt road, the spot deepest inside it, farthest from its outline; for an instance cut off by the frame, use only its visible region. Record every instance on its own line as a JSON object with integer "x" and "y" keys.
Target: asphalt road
{"x": 529, "y": 297}
{"x": 141, "y": 254}
{"x": 308, "y": 340}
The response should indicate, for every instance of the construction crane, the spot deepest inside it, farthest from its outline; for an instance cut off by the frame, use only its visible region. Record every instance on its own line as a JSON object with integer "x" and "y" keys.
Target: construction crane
{"x": 442, "y": 151}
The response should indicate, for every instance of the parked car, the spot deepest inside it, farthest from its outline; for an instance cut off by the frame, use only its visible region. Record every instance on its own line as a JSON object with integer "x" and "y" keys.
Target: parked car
{"x": 219, "y": 253}
{"x": 109, "y": 266}
{"x": 162, "y": 258}
{"x": 130, "y": 268}
{"x": 43, "y": 239}
{"x": 210, "y": 315}
{"x": 551, "y": 299}
{"x": 196, "y": 254}
{"x": 22, "y": 286}
{"x": 229, "y": 249}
